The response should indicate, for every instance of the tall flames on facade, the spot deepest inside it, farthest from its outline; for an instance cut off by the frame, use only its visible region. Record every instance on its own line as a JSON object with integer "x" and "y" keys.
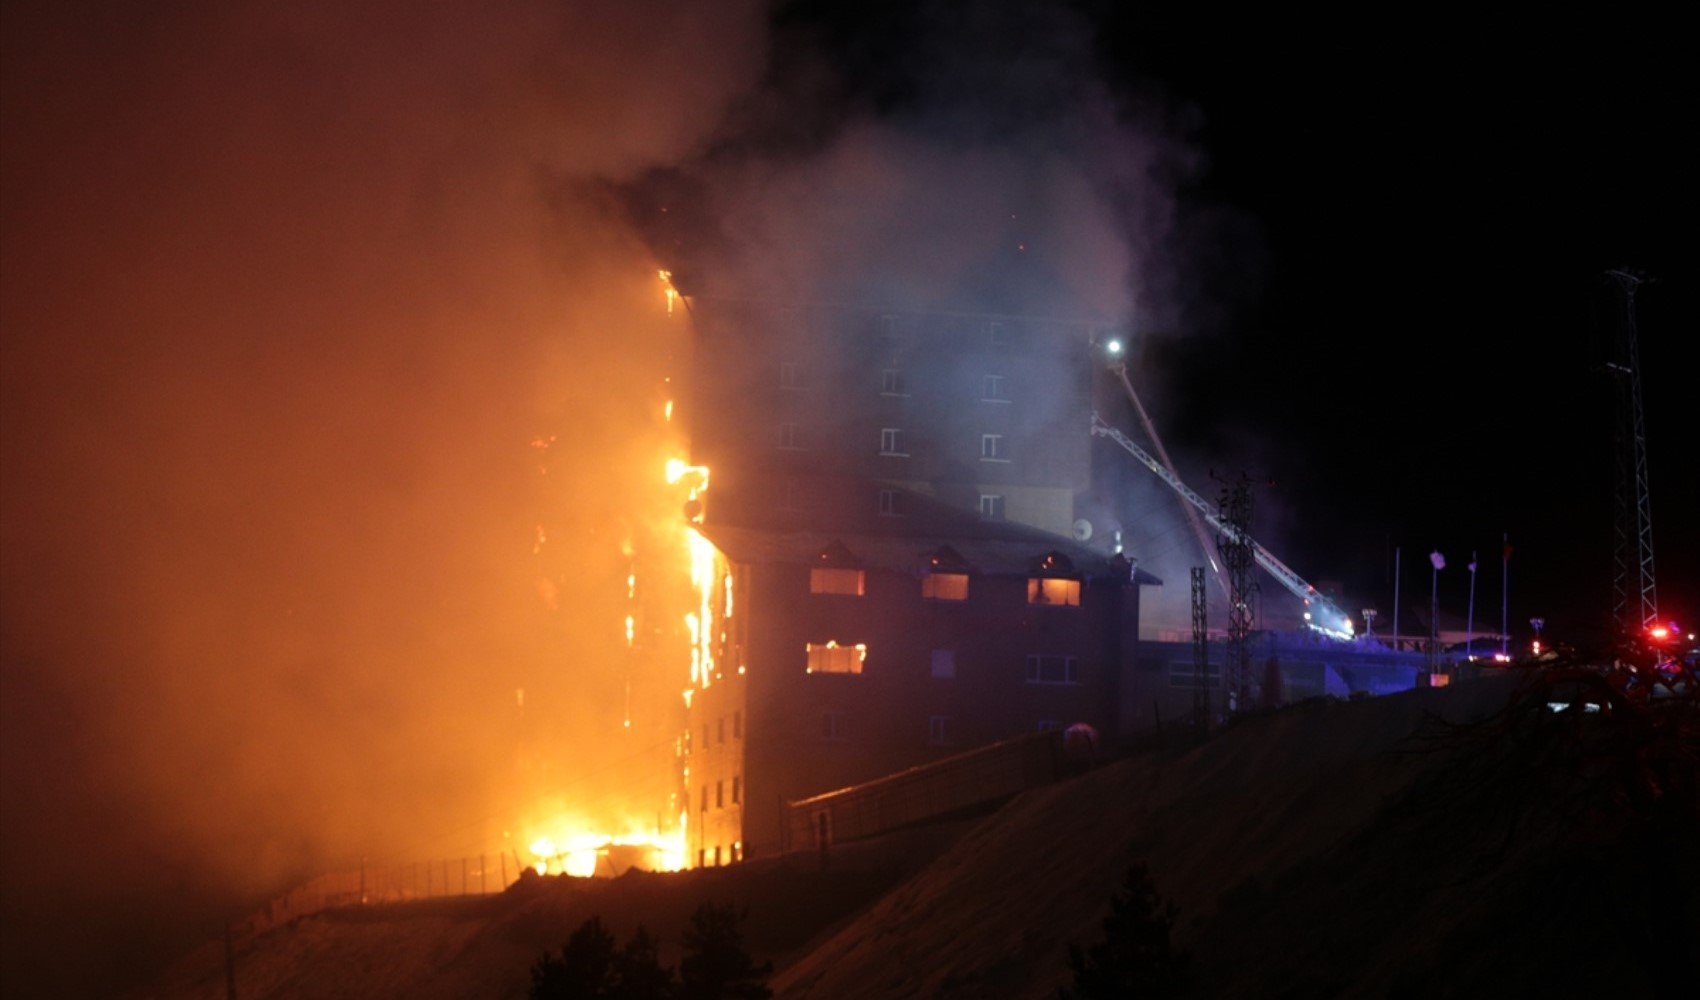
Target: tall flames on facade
{"x": 674, "y": 576}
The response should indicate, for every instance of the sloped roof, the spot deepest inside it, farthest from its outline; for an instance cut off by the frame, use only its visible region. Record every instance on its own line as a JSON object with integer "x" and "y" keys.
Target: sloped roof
{"x": 1013, "y": 552}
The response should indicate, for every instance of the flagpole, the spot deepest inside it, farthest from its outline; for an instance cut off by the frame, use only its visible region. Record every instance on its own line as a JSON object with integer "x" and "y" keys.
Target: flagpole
{"x": 1505, "y": 594}
{"x": 1470, "y": 619}
{"x": 1396, "y": 600}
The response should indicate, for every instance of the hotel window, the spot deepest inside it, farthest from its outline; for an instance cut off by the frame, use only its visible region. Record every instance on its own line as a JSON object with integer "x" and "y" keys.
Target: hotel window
{"x": 938, "y": 729}
{"x": 825, "y": 580}
{"x": 1053, "y": 591}
{"x": 737, "y": 789}
{"x": 994, "y": 389}
{"x": 944, "y": 664}
{"x": 790, "y": 438}
{"x": 717, "y": 855}
{"x": 1042, "y": 669}
{"x": 704, "y": 799}
{"x": 891, "y": 503}
{"x": 892, "y": 383}
{"x": 790, "y": 375}
{"x": 737, "y": 725}
{"x": 998, "y": 334}
{"x": 991, "y": 506}
{"x": 992, "y": 448}
{"x": 720, "y": 795}
{"x": 945, "y": 586}
{"x": 720, "y": 730}
{"x": 831, "y": 658}
{"x": 1184, "y": 675}
{"x": 891, "y": 442}
{"x": 832, "y": 726}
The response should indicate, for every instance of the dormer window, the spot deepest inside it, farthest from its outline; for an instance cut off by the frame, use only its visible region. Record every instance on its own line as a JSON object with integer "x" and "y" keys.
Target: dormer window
{"x": 1053, "y": 582}
{"x": 836, "y": 571}
{"x": 945, "y": 575}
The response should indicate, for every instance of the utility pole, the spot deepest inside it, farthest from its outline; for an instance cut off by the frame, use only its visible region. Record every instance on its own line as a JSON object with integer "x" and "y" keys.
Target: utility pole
{"x": 1200, "y": 653}
{"x": 1635, "y": 601}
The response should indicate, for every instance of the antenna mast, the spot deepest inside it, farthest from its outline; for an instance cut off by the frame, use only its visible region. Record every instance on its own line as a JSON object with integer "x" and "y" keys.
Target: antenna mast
{"x": 1635, "y": 600}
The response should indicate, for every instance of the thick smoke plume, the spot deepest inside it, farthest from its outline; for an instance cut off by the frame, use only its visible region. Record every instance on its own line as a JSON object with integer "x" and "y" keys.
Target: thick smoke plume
{"x": 331, "y": 382}
{"x": 289, "y": 290}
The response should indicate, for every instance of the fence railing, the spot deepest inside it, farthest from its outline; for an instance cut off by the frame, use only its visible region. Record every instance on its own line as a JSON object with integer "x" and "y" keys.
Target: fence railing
{"x": 485, "y": 874}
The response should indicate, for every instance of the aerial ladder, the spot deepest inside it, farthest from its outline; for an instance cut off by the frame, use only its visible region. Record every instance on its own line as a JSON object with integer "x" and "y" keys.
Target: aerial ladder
{"x": 1321, "y": 614}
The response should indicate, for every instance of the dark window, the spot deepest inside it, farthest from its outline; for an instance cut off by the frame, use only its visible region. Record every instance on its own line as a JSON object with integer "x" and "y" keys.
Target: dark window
{"x": 737, "y": 789}
{"x": 892, "y": 383}
{"x": 891, "y": 442}
{"x": 938, "y": 729}
{"x": 1045, "y": 669}
{"x": 737, "y": 725}
{"x": 891, "y": 503}
{"x": 994, "y": 389}
{"x": 992, "y": 448}
{"x": 991, "y": 506}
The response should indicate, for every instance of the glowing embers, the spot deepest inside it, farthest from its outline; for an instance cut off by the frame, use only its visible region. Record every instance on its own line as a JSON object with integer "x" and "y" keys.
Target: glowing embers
{"x": 831, "y": 658}
{"x": 1053, "y": 591}
{"x": 945, "y": 586}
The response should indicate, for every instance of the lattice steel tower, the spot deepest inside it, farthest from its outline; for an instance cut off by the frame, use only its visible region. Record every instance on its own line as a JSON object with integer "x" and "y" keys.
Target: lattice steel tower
{"x": 1635, "y": 599}
{"x": 1233, "y": 540}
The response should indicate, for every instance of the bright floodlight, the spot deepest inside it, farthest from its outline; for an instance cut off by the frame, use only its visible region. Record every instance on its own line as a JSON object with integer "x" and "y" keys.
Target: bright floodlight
{"x": 1114, "y": 347}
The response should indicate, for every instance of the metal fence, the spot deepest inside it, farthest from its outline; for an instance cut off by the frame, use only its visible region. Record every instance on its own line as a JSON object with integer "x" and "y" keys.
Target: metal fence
{"x": 929, "y": 792}
{"x": 470, "y": 876}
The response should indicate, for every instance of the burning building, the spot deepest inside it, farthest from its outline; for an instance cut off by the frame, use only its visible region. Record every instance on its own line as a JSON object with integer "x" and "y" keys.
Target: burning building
{"x": 882, "y": 564}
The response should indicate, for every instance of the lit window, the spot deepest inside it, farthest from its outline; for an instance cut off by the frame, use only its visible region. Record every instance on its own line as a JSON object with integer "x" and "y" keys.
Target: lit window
{"x": 994, "y": 389}
{"x": 1053, "y": 590}
{"x": 1051, "y": 670}
{"x": 992, "y": 448}
{"x": 790, "y": 375}
{"x": 891, "y": 441}
{"x": 945, "y": 586}
{"x": 891, "y": 383}
{"x": 944, "y": 664}
{"x": 790, "y": 438}
{"x": 891, "y": 503}
{"x": 991, "y": 506}
{"x": 938, "y": 729}
{"x": 737, "y": 789}
{"x": 831, "y": 658}
{"x": 832, "y": 725}
{"x": 825, "y": 580}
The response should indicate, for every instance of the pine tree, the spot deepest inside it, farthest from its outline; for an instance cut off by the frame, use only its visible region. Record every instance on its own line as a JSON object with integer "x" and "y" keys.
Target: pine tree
{"x": 638, "y": 972}
{"x": 584, "y": 970}
{"x": 1136, "y": 957}
{"x": 716, "y": 966}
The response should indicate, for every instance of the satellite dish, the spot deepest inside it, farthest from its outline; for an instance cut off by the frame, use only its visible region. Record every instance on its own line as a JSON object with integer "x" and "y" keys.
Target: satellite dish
{"x": 1082, "y": 530}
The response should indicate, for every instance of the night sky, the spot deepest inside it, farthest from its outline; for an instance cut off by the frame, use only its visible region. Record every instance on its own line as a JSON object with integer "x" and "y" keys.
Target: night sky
{"x": 288, "y": 293}
{"x": 1433, "y": 203}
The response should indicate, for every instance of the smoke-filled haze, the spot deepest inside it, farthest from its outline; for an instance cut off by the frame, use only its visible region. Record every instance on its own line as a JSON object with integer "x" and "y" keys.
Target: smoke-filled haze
{"x": 314, "y": 313}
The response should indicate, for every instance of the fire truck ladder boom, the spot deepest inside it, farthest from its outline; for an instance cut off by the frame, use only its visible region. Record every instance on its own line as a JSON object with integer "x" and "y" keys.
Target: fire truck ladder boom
{"x": 1334, "y": 620}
